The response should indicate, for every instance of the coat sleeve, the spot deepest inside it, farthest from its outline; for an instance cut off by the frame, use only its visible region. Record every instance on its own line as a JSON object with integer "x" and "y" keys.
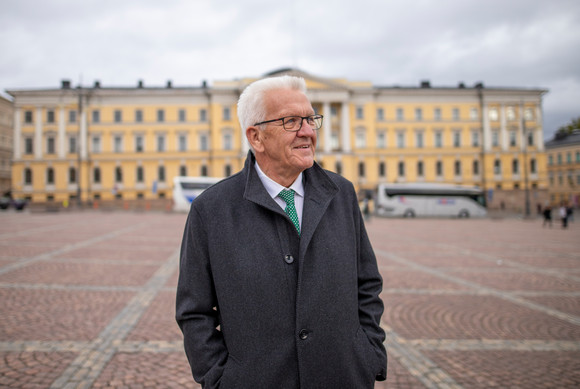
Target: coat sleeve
{"x": 370, "y": 285}
{"x": 196, "y": 306}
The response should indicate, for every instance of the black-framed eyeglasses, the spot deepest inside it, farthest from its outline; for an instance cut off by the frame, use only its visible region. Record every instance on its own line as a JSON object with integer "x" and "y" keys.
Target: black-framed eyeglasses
{"x": 294, "y": 123}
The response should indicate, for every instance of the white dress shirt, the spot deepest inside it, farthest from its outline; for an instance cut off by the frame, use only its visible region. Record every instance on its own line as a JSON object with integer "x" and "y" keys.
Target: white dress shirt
{"x": 273, "y": 188}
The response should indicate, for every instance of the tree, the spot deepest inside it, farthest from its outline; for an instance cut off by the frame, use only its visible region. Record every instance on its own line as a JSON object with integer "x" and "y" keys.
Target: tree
{"x": 569, "y": 128}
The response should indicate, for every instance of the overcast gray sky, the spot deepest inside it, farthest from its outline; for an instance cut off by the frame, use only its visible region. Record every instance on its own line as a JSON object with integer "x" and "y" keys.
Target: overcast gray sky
{"x": 507, "y": 43}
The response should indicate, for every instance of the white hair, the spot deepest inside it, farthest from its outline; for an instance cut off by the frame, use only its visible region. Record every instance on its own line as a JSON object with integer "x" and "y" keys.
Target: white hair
{"x": 251, "y": 108}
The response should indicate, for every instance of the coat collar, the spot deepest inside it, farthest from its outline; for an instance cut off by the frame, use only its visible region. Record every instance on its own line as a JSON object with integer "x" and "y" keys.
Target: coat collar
{"x": 319, "y": 190}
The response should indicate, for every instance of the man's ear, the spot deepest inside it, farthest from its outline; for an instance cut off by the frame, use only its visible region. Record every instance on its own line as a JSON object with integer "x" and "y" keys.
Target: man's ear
{"x": 254, "y": 138}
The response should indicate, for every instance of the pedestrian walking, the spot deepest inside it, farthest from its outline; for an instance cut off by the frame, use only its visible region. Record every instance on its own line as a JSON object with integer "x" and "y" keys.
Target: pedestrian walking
{"x": 547, "y": 216}
{"x": 564, "y": 215}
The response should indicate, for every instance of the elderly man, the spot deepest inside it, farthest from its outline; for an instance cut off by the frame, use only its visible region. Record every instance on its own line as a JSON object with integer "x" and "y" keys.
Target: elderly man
{"x": 278, "y": 285}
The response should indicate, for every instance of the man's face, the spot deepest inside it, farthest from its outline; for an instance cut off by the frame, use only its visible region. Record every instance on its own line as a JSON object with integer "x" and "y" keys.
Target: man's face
{"x": 282, "y": 155}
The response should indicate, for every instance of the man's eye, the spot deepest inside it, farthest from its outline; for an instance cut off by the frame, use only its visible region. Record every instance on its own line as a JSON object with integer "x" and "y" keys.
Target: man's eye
{"x": 291, "y": 121}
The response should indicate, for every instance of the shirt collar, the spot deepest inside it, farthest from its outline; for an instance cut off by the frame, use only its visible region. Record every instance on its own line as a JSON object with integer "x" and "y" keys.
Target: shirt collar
{"x": 273, "y": 188}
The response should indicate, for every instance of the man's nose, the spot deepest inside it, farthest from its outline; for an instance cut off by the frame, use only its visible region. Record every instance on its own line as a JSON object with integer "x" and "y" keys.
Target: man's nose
{"x": 305, "y": 129}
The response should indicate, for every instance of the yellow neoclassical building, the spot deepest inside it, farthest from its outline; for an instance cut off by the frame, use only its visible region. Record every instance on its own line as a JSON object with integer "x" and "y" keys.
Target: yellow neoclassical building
{"x": 108, "y": 143}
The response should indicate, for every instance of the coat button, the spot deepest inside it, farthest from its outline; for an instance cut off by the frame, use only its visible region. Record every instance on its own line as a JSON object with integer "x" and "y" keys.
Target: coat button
{"x": 289, "y": 259}
{"x": 303, "y": 334}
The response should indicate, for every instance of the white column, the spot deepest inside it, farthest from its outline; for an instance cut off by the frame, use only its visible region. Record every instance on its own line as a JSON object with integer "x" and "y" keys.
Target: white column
{"x": 61, "y": 135}
{"x": 38, "y": 134}
{"x": 486, "y": 129}
{"x": 84, "y": 136}
{"x": 539, "y": 135}
{"x": 345, "y": 127}
{"x": 327, "y": 127}
{"x": 17, "y": 134}
{"x": 503, "y": 129}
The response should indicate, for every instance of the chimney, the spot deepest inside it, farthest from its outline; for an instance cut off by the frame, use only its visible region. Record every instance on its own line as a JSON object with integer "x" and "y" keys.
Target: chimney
{"x": 140, "y": 84}
{"x": 425, "y": 84}
{"x": 65, "y": 84}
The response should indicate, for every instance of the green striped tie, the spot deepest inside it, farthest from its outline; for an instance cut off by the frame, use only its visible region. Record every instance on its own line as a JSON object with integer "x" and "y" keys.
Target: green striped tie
{"x": 288, "y": 197}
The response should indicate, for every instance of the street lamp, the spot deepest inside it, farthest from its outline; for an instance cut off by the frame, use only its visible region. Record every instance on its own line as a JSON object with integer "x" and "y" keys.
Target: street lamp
{"x": 525, "y": 148}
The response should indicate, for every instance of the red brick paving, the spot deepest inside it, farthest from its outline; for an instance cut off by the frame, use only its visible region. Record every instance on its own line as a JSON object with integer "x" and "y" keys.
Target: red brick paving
{"x": 107, "y": 281}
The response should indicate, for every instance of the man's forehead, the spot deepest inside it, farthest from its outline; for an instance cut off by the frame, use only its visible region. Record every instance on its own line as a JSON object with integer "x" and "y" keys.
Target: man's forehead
{"x": 287, "y": 101}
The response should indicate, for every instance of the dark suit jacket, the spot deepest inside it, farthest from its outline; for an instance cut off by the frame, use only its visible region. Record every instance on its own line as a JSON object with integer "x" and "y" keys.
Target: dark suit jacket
{"x": 260, "y": 307}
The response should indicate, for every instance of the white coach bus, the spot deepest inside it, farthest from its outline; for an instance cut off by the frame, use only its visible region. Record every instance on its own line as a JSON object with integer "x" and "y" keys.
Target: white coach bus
{"x": 428, "y": 200}
{"x": 186, "y": 189}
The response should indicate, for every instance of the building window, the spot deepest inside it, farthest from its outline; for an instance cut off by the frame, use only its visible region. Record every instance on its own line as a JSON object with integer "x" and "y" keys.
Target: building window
{"x": 529, "y": 114}
{"x": 203, "y": 115}
{"x": 401, "y": 169}
{"x": 160, "y": 115}
{"x": 473, "y": 114}
{"x": 380, "y": 114}
{"x": 203, "y": 142}
{"x": 530, "y": 138}
{"x": 401, "y": 140}
{"x": 96, "y": 116}
{"x": 28, "y": 117}
{"x": 227, "y": 113}
{"x": 550, "y": 159}
{"x": 72, "y": 144}
{"x": 182, "y": 142}
{"x": 72, "y": 116}
{"x": 227, "y": 141}
{"x": 439, "y": 168}
{"x": 475, "y": 168}
{"x": 497, "y": 167}
{"x": 140, "y": 175}
{"x": 381, "y": 140}
{"x": 338, "y": 167}
{"x": 400, "y": 114}
{"x": 515, "y": 166}
{"x": 96, "y": 144}
{"x": 118, "y": 144}
{"x": 560, "y": 179}
{"x": 420, "y": 169}
{"x": 455, "y": 113}
{"x": 456, "y": 139}
{"x": 437, "y": 113}
{"x": 475, "y": 139}
{"x": 203, "y": 171}
{"x": 360, "y": 139}
{"x": 419, "y": 139}
{"x": 359, "y": 113}
{"x": 493, "y": 114}
{"x": 50, "y": 176}
{"x": 551, "y": 177}
{"x": 50, "y": 146}
{"x": 138, "y": 116}
{"x": 118, "y": 116}
{"x": 50, "y": 116}
{"x": 118, "y": 174}
{"x": 510, "y": 113}
{"x": 513, "y": 138}
{"x": 533, "y": 167}
{"x": 495, "y": 138}
{"x": 161, "y": 173}
{"x": 361, "y": 169}
{"x": 139, "y": 144}
{"x": 27, "y": 176}
{"x": 333, "y": 111}
{"x": 334, "y": 141}
{"x": 569, "y": 157}
{"x": 577, "y": 156}
{"x": 418, "y": 114}
{"x": 559, "y": 159}
{"x": 227, "y": 170}
{"x": 183, "y": 170}
{"x": 457, "y": 168}
{"x": 438, "y": 139}
{"x": 72, "y": 175}
{"x": 97, "y": 175}
{"x": 160, "y": 143}
{"x": 181, "y": 115}
{"x": 382, "y": 169}
{"x": 28, "y": 146}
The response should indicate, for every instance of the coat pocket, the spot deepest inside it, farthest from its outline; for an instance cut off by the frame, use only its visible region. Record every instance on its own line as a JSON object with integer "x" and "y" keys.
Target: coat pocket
{"x": 367, "y": 358}
{"x": 230, "y": 375}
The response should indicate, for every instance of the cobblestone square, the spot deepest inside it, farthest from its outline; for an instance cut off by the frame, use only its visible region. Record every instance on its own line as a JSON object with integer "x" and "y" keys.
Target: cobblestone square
{"x": 87, "y": 301}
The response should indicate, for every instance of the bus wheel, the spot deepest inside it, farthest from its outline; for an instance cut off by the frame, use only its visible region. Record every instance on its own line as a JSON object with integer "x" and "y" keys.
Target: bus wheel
{"x": 464, "y": 213}
{"x": 409, "y": 213}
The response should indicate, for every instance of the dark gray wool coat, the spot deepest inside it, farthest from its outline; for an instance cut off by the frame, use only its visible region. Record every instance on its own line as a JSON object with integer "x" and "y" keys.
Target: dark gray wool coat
{"x": 261, "y": 307}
